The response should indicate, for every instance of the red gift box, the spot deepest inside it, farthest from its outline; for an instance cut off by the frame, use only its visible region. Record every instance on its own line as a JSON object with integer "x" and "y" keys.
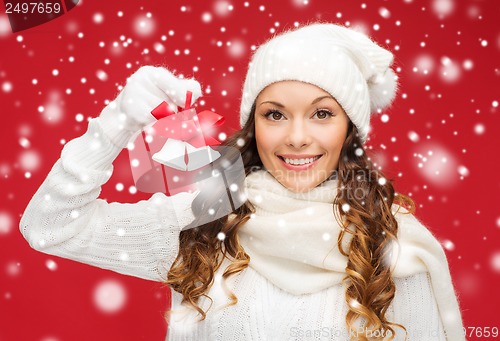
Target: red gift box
{"x": 178, "y": 154}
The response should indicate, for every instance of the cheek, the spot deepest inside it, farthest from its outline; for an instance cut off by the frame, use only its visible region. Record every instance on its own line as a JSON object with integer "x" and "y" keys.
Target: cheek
{"x": 333, "y": 145}
{"x": 266, "y": 141}
{"x": 332, "y": 141}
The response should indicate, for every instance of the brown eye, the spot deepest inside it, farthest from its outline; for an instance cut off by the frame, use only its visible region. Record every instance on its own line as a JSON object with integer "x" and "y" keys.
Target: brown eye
{"x": 323, "y": 114}
{"x": 274, "y": 115}
{"x": 277, "y": 115}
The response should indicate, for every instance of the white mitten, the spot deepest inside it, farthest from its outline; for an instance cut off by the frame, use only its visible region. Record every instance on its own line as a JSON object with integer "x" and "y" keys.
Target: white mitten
{"x": 145, "y": 89}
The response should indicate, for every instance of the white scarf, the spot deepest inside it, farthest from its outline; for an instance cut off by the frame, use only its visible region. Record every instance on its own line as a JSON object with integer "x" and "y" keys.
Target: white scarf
{"x": 292, "y": 241}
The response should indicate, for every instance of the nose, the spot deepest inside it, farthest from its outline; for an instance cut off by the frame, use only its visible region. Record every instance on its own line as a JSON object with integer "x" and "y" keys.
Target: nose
{"x": 298, "y": 135}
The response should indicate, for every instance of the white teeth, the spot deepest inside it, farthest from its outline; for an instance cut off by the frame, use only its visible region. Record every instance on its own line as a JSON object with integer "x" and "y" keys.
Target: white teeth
{"x": 301, "y": 161}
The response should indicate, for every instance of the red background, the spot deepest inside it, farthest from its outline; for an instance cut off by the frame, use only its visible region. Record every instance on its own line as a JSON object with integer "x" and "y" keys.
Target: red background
{"x": 449, "y": 73}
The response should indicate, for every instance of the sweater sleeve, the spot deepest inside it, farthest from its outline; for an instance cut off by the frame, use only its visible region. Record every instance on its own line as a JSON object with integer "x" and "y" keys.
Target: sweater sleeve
{"x": 65, "y": 217}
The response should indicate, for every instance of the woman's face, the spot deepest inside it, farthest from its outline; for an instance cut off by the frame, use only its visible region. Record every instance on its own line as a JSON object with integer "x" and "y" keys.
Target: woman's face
{"x": 299, "y": 131}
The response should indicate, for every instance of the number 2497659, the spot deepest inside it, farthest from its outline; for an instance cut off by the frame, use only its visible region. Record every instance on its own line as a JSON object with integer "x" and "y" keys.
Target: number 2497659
{"x": 33, "y": 7}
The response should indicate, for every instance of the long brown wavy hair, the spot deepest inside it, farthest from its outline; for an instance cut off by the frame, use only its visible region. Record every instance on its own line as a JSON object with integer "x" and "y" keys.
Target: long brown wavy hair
{"x": 369, "y": 285}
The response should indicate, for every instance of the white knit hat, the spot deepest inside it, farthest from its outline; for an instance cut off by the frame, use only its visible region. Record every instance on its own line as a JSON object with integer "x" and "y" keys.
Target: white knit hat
{"x": 344, "y": 63}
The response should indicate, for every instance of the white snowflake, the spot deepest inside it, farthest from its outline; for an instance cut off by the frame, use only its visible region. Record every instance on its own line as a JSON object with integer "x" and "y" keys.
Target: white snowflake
{"x": 110, "y": 296}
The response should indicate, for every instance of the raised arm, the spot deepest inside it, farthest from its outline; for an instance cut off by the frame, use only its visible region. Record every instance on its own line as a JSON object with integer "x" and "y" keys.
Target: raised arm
{"x": 65, "y": 216}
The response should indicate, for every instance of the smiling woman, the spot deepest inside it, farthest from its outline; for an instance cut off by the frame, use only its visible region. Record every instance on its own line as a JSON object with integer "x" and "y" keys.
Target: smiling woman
{"x": 322, "y": 241}
{"x": 299, "y": 130}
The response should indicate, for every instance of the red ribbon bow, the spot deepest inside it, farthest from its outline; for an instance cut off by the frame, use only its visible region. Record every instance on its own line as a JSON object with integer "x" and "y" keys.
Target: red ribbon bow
{"x": 187, "y": 125}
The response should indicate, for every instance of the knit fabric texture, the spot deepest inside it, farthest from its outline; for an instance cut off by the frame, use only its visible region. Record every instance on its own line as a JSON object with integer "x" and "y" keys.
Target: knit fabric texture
{"x": 66, "y": 218}
{"x": 345, "y": 63}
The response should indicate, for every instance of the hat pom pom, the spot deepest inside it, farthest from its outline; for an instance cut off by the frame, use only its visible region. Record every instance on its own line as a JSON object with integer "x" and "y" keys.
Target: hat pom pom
{"x": 382, "y": 88}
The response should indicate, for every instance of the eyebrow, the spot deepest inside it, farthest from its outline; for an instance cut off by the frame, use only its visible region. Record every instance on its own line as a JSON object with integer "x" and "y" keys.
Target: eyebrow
{"x": 279, "y": 105}
{"x": 320, "y": 99}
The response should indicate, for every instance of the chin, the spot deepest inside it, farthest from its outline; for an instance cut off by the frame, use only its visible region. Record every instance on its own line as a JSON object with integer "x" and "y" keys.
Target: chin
{"x": 298, "y": 182}
{"x": 299, "y": 187}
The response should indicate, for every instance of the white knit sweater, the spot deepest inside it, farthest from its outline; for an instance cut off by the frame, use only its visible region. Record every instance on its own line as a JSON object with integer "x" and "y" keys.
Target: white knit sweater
{"x": 66, "y": 218}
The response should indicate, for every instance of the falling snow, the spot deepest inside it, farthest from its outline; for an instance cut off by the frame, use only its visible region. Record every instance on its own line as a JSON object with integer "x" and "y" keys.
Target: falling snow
{"x": 450, "y": 70}
{"x": 7, "y": 87}
{"x": 98, "y": 18}
{"x": 144, "y": 25}
{"x": 51, "y": 265}
{"x": 110, "y": 296}
{"x": 4, "y": 26}
{"x": 424, "y": 64}
{"x": 52, "y": 111}
{"x": 413, "y": 136}
{"x": 237, "y": 48}
{"x": 30, "y": 160}
{"x": 443, "y": 8}
{"x": 384, "y": 13}
{"x": 495, "y": 262}
{"x": 479, "y": 129}
{"x": 462, "y": 170}
{"x": 439, "y": 165}
{"x": 13, "y": 268}
{"x": 222, "y": 8}
{"x": 6, "y": 223}
{"x": 448, "y": 245}
{"x": 346, "y": 207}
{"x": 436, "y": 141}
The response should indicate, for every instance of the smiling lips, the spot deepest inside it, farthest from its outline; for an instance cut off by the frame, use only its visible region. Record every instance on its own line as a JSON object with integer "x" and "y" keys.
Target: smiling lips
{"x": 298, "y": 162}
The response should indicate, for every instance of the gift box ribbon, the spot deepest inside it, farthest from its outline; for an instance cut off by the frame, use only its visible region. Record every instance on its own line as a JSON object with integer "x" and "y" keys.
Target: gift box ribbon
{"x": 196, "y": 129}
